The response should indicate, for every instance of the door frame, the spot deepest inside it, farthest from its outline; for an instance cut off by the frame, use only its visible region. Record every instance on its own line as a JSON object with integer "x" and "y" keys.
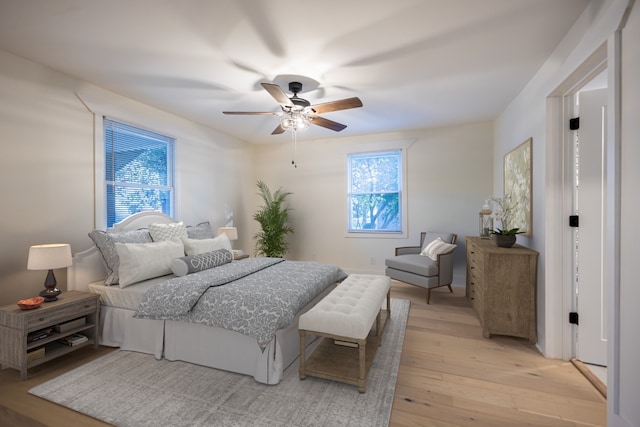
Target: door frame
{"x": 559, "y": 295}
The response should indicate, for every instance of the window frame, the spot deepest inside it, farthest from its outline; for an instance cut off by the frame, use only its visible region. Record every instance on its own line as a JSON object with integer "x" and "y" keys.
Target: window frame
{"x": 372, "y": 148}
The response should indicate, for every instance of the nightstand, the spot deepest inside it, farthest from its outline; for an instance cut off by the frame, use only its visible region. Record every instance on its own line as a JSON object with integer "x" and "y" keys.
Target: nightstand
{"x": 32, "y": 337}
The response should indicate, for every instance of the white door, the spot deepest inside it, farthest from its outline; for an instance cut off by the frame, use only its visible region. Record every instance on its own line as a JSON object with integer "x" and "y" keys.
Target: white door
{"x": 591, "y": 303}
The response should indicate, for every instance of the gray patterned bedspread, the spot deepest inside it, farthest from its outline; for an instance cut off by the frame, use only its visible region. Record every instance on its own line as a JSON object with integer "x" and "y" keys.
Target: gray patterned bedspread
{"x": 255, "y": 296}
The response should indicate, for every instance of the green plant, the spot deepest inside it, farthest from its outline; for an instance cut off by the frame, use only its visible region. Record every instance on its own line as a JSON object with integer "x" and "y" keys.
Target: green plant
{"x": 271, "y": 240}
{"x": 510, "y": 232}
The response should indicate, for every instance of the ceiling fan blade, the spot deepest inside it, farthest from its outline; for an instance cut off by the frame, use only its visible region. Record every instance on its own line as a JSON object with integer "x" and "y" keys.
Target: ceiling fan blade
{"x": 343, "y": 104}
{"x": 326, "y": 123}
{"x": 278, "y": 130}
{"x": 251, "y": 113}
{"x": 278, "y": 94}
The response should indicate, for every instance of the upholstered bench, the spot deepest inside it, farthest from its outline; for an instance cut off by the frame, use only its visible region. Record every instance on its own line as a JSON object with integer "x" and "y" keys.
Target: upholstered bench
{"x": 346, "y": 316}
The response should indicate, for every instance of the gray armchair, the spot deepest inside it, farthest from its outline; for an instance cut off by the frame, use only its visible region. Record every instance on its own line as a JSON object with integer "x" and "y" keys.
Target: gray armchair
{"x": 410, "y": 267}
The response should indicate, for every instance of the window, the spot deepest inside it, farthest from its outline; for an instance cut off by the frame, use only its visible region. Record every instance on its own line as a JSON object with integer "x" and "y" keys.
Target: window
{"x": 375, "y": 192}
{"x": 138, "y": 171}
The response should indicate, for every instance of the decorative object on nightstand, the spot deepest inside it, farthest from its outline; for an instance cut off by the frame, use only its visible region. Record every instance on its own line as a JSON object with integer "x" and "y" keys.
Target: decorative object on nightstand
{"x": 48, "y": 257}
{"x": 30, "y": 303}
{"x": 485, "y": 223}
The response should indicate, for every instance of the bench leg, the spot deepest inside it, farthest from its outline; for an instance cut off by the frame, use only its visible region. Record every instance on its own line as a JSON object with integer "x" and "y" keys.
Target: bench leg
{"x": 389, "y": 303}
{"x": 302, "y": 367}
{"x": 362, "y": 380}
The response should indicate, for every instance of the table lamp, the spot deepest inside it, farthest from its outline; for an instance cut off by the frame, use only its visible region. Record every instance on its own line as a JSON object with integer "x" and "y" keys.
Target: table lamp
{"x": 48, "y": 257}
{"x": 231, "y": 232}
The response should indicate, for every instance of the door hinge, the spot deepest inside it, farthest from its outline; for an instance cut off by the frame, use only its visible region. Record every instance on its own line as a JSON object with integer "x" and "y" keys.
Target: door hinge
{"x": 573, "y": 318}
{"x": 574, "y": 221}
{"x": 574, "y": 124}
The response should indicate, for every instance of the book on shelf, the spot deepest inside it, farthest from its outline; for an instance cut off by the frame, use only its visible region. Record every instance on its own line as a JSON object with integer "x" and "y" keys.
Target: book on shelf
{"x": 74, "y": 339}
{"x": 39, "y": 334}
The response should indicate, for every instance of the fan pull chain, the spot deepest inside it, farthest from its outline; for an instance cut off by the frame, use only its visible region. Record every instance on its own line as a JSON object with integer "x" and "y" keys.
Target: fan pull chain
{"x": 294, "y": 144}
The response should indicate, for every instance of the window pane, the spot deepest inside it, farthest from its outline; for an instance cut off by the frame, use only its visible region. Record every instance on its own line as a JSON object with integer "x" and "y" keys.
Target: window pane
{"x": 377, "y": 172}
{"x": 375, "y": 192}
{"x": 138, "y": 171}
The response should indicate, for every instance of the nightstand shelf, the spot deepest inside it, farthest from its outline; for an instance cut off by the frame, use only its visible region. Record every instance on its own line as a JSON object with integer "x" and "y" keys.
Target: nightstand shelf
{"x": 17, "y": 324}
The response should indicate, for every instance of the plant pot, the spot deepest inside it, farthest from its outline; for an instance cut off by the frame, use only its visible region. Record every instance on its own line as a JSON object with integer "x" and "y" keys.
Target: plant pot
{"x": 504, "y": 241}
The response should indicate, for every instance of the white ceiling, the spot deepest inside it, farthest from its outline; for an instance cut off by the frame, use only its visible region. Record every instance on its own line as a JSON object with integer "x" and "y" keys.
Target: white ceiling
{"x": 413, "y": 63}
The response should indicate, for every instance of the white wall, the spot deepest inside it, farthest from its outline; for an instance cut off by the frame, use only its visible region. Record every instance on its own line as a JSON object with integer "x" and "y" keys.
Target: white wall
{"x": 449, "y": 176}
{"x": 47, "y": 167}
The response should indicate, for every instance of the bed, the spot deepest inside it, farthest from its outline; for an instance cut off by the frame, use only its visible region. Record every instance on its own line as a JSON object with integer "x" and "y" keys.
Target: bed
{"x": 207, "y": 328}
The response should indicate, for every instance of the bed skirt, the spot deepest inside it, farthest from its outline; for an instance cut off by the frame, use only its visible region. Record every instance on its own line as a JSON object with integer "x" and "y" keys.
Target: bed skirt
{"x": 205, "y": 345}
{"x": 118, "y": 328}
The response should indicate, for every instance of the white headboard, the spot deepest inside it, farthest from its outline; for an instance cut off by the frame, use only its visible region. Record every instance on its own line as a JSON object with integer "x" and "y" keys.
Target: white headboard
{"x": 87, "y": 265}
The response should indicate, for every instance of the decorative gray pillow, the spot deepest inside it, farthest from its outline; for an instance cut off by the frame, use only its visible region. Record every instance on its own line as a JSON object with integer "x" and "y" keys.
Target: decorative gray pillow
{"x": 106, "y": 244}
{"x": 194, "y": 263}
{"x": 200, "y": 231}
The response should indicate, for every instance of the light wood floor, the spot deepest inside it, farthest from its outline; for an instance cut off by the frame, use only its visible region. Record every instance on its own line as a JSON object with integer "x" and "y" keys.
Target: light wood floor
{"x": 449, "y": 376}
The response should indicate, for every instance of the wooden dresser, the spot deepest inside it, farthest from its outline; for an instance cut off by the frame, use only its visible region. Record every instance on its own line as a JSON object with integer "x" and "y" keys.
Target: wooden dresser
{"x": 501, "y": 284}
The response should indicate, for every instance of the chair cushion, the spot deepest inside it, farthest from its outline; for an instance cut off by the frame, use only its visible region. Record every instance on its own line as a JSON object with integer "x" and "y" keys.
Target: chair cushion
{"x": 413, "y": 263}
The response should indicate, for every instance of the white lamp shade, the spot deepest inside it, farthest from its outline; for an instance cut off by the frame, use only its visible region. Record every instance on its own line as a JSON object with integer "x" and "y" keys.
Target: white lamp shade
{"x": 231, "y": 232}
{"x": 49, "y": 256}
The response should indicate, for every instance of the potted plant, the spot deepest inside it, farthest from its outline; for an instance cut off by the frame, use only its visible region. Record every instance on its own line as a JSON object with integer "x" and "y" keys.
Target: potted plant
{"x": 504, "y": 237}
{"x": 271, "y": 240}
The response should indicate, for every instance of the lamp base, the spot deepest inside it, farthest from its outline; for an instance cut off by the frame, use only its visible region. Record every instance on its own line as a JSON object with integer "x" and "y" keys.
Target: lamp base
{"x": 50, "y": 292}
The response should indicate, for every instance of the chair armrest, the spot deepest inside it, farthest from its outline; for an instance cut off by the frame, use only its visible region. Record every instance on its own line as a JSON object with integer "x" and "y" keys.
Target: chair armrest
{"x": 445, "y": 268}
{"x": 406, "y": 250}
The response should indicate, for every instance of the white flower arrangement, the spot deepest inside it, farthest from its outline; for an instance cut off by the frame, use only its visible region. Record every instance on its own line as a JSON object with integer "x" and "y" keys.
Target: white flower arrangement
{"x": 502, "y": 210}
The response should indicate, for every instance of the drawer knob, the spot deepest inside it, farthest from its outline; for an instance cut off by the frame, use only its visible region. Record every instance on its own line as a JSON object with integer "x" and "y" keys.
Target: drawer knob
{"x": 41, "y": 319}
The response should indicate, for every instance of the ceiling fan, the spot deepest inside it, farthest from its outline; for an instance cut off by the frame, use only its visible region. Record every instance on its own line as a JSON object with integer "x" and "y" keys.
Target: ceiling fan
{"x": 297, "y": 113}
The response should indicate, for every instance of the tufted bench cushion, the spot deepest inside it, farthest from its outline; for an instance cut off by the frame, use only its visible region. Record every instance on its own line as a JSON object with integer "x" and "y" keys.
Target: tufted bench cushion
{"x": 347, "y": 314}
{"x": 350, "y": 309}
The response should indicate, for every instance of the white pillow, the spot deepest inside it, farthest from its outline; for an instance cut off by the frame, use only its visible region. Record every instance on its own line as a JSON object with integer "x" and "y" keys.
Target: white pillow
{"x": 438, "y": 246}
{"x": 201, "y": 246}
{"x": 141, "y": 261}
{"x": 161, "y": 232}
{"x": 427, "y": 249}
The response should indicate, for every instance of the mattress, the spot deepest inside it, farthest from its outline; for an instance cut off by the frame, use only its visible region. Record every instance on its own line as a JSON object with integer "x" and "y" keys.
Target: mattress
{"x": 128, "y": 298}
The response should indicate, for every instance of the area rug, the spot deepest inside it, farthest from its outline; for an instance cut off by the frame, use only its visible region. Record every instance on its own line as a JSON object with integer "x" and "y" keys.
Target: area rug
{"x": 129, "y": 389}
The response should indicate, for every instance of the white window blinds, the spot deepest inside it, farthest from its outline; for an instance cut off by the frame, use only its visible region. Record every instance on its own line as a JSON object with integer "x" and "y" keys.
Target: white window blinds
{"x": 138, "y": 171}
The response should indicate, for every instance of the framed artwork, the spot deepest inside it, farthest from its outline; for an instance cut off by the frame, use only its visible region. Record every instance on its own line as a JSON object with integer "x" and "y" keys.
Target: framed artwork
{"x": 517, "y": 184}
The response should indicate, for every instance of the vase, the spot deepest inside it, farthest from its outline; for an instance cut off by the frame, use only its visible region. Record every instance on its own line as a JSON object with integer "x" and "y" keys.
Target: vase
{"x": 504, "y": 241}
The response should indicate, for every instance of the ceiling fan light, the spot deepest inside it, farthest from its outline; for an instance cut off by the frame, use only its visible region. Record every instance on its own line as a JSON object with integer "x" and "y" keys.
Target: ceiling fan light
{"x": 294, "y": 121}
